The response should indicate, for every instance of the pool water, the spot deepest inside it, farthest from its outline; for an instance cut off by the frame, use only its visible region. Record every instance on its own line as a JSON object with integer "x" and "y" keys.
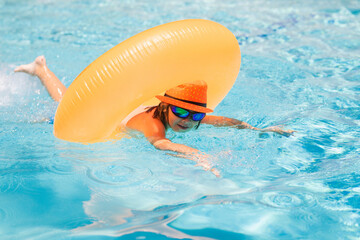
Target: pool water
{"x": 300, "y": 69}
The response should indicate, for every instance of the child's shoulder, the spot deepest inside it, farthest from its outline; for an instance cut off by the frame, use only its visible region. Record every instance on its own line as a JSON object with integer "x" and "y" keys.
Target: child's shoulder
{"x": 146, "y": 123}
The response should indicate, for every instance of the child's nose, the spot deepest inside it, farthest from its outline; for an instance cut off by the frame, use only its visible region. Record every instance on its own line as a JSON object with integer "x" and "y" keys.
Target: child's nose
{"x": 188, "y": 119}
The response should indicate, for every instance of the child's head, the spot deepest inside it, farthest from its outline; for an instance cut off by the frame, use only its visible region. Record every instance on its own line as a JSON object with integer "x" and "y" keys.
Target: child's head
{"x": 183, "y": 107}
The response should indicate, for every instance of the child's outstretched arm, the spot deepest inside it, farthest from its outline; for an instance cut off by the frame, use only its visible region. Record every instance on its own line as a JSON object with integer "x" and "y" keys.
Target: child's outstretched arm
{"x": 186, "y": 152}
{"x": 220, "y": 121}
{"x": 154, "y": 131}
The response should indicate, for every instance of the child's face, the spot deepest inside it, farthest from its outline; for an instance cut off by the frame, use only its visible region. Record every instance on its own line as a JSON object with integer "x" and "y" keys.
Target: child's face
{"x": 180, "y": 124}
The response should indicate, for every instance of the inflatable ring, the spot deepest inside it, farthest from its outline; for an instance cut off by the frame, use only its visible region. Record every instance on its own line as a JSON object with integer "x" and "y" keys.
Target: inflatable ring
{"x": 145, "y": 65}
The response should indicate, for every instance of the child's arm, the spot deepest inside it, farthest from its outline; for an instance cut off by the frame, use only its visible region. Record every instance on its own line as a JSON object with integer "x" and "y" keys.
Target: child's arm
{"x": 166, "y": 145}
{"x": 220, "y": 121}
{"x": 186, "y": 152}
{"x": 155, "y": 133}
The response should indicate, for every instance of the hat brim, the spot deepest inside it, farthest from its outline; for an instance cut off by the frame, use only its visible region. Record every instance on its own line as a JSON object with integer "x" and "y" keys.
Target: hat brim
{"x": 185, "y": 105}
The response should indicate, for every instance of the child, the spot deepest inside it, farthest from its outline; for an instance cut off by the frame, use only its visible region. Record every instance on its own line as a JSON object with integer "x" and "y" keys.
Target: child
{"x": 181, "y": 108}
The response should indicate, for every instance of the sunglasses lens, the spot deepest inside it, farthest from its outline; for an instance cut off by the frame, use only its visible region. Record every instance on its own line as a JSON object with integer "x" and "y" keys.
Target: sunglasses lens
{"x": 183, "y": 113}
{"x": 198, "y": 116}
{"x": 180, "y": 112}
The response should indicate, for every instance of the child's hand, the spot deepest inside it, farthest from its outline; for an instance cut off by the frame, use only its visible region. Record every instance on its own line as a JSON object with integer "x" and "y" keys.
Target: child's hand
{"x": 202, "y": 160}
{"x": 279, "y": 130}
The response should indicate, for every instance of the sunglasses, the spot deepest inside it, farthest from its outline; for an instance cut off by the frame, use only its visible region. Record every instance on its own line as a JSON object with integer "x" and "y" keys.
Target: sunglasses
{"x": 183, "y": 113}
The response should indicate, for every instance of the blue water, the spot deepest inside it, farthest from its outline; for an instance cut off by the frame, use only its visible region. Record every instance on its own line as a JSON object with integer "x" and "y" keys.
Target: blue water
{"x": 300, "y": 68}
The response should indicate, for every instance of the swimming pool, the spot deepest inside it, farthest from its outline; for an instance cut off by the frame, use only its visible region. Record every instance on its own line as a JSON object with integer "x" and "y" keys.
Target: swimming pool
{"x": 300, "y": 68}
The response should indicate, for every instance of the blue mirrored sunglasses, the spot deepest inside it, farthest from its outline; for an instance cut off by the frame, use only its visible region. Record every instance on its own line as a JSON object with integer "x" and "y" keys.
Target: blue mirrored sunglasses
{"x": 183, "y": 113}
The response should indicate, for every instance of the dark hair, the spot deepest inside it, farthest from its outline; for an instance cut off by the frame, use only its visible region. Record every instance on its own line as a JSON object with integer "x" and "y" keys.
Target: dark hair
{"x": 161, "y": 113}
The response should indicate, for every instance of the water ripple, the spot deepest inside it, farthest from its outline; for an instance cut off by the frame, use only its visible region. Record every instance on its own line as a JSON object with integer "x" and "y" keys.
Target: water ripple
{"x": 307, "y": 218}
{"x": 58, "y": 167}
{"x": 286, "y": 199}
{"x": 119, "y": 174}
{"x": 9, "y": 184}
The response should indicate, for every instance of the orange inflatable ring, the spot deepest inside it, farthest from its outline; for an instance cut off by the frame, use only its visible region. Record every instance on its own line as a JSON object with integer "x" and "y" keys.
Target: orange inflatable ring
{"x": 145, "y": 65}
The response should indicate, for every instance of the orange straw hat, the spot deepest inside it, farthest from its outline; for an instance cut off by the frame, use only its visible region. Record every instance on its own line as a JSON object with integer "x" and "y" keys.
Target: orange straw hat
{"x": 191, "y": 96}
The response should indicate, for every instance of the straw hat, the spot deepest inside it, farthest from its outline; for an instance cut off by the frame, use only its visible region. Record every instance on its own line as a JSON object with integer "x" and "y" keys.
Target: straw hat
{"x": 191, "y": 96}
